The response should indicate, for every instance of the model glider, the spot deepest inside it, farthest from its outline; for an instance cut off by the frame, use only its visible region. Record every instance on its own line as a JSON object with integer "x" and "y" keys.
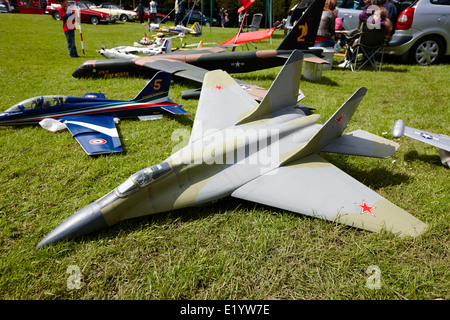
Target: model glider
{"x": 263, "y": 152}
{"x": 128, "y": 52}
{"x": 91, "y": 118}
{"x": 440, "y": 141}
{"x": 195, "y": 30}
{"x": 192, "y": 65}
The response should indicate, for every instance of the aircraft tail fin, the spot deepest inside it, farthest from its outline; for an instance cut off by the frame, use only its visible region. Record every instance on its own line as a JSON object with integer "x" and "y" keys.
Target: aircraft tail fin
{"x": 167, "y": 45}
{"x": 197, "y": 28}
{"x": 330, "y": 130}
{"x": 284, "y": 91}
{"x": 303, "y": 33}
{"x": 158, "y": 86}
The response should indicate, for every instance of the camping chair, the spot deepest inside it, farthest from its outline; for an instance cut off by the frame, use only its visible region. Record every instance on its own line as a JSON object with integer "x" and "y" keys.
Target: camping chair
{"x": 254, "y": 26}
{"x": 368, "y": 43}
{"x": 256, "y": 22}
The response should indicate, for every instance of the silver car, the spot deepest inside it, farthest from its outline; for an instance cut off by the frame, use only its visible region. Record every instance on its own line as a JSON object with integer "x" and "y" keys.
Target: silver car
{"x": 422, "y": 33}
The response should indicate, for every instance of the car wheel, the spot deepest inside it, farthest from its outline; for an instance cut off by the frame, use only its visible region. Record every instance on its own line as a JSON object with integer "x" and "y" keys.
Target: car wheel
{"x": 94, "y": 20}
{"x": 158, "y": 20}
{"x": 207, "y": 24}
{"x": 426, "y": 51}
{"x": 56, "y": 15}
{"x": 124, "y": 17}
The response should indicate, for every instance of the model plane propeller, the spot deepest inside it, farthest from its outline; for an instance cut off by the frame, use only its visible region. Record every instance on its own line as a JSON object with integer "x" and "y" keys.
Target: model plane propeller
{"x": 91, "y": 118}
{"x": 263, "y": 152}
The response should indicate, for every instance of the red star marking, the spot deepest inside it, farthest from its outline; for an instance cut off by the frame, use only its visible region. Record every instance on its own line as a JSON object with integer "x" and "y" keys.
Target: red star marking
{"x": 339, "y": 119}
{"x": 219, "y": 87}
{"x": 366, "y": 208}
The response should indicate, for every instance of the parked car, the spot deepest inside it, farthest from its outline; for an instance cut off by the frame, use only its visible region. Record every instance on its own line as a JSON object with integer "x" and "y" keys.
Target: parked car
{"x": 422, "y": 30}
{"x": 86, "y": 15}
{"x": 422, "y": 33}
{"x": 196, "y": 16}
{"x": 159, "y": 16}
{"x": 91, "y": 6}
{"x": 350, "y": 16}
{"x": 124, "y": 15}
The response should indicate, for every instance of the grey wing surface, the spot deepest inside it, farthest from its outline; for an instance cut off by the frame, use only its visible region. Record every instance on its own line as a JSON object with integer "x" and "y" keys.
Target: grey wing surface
{"x": 313, "y": 186}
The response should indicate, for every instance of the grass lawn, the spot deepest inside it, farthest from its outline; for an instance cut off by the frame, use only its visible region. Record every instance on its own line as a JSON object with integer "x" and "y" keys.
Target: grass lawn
{"x": 231, "y": 249}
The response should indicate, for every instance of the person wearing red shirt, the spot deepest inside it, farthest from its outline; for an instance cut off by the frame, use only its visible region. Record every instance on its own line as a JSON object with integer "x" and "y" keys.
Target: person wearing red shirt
{"x": 68, "y": 27}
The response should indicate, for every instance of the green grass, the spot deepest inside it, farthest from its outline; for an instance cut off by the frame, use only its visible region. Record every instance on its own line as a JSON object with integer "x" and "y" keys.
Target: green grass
{"x": 231, "y": 249}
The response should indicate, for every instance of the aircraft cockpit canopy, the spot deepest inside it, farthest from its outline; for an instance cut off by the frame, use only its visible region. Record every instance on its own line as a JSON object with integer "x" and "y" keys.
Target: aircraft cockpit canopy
{"x": 142, "y": 178}
{"x": 38, "y": 102}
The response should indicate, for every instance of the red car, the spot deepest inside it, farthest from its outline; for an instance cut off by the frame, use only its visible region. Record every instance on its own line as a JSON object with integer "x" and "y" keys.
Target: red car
{"x": 86, "y": 15}
{"x": 159, "y": 17}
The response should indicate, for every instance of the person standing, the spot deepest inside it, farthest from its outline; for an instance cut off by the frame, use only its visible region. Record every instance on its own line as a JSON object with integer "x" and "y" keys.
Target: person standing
{"x": 223, "y": 16}
{"x": 141, "y": 11}
{"x": 68, "y": 27}
{"x": 153, "y": 9}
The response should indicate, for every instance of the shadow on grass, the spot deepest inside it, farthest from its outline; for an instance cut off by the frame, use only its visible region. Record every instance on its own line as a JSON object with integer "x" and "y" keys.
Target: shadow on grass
{"x": 414, "y": 155}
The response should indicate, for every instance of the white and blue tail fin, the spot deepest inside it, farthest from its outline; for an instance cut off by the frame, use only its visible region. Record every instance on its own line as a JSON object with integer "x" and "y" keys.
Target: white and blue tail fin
{"x": 157, "y": 87}
{"x": 167, "y": 46}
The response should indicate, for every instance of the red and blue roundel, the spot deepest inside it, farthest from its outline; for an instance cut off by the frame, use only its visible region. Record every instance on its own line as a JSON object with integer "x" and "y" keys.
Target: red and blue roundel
{"x": 97, "y": 141}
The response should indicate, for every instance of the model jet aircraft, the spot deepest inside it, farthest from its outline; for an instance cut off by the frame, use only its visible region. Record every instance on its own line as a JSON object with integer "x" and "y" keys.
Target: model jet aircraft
{"x": 91, "y": 118}
{"x": 262, "y": 152}
{"x": 192, "y": 65}
{"x": 440, "y": 141}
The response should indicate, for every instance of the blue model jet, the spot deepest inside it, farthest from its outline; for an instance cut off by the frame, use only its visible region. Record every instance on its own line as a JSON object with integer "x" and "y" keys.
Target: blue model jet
{"x": 91, "y": 118}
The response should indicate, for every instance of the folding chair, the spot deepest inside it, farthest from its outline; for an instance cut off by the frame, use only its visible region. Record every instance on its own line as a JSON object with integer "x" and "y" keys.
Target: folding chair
{"x": 254, "y": 26}
{"x": 364, "y": 46}
{"x": 256, "y": 22}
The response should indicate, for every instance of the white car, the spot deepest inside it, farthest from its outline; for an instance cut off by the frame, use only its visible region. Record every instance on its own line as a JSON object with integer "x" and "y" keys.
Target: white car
{"x": 124, "y": 15}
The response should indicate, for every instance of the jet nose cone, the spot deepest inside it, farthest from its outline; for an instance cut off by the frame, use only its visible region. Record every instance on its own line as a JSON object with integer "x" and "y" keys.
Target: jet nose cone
{"x": 82, "y": 71}
{"x": 87, "y": 220}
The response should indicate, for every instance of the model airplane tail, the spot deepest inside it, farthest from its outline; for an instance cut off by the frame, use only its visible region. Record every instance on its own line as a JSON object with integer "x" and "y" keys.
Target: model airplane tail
{"x": 304, "y": 32}
{"x": 440, "y": 141}
{"x": 197, "y": 28}
{"x": 157, "y": 87}
{"x": 283, "y": 92}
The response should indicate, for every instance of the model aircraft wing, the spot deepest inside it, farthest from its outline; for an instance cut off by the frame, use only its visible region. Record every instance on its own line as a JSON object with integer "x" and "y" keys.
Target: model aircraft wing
{"x": 250, "y": 36}
{"x": 438, "y": 140}
{"x": 96, "y": 134}
{"x": 190, "y": 72}
{"x": 313, "y": 186}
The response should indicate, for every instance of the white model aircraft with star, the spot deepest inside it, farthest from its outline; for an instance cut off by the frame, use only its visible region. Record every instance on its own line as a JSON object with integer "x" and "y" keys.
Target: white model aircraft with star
{"x": 440, "y": 141}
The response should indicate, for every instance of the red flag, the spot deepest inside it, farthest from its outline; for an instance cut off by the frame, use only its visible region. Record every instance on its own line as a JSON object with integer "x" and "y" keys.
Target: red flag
{"x": 245, "y": 5}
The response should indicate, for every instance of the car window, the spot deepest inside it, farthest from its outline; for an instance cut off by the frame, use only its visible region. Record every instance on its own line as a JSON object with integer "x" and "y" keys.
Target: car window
{"x": 441, "y": 2}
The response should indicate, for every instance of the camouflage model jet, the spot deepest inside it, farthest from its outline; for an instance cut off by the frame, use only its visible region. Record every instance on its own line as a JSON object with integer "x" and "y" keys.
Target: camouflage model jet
{"x": 262, "y": 152}
{"x": 192, "y": 65}
{"x": 440, "y": 141}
